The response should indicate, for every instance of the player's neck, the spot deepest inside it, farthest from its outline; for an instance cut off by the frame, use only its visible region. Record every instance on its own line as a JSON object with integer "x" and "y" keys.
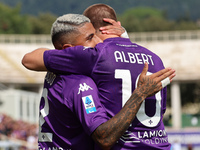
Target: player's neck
{"x": 103, "y": 37}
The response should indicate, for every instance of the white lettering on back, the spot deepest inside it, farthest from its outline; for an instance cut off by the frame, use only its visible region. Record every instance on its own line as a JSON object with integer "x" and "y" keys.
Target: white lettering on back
{"x": 140, "y": 58}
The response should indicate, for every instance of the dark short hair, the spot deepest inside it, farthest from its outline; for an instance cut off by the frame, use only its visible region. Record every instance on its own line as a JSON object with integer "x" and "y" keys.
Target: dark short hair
{"x": 97, "y": 12}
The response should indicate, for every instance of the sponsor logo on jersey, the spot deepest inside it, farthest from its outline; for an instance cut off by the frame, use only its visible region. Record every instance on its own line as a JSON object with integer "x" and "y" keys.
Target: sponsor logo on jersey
{"x": 89, "y": 104}
{"x": 153, "y": 137}
{"x": 83, "y": 87}
{"x": 129, "y": 137}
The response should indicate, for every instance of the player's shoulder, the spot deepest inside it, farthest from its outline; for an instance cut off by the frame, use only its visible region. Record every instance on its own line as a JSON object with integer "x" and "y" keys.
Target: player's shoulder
{"x": 83, "y": 78}
{"x": 76, "y": 84}
{"x": 109, "y": 43}
{"x": 146, "y": 49}
{"x": 116, "y": 40}
{"x": 75, "y": 80}
{"x": 143, "y": 48}
{"x": 77, "y": 49}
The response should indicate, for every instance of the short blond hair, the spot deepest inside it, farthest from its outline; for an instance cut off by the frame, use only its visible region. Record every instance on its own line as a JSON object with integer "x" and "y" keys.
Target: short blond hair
{"x": 65, "y": 25}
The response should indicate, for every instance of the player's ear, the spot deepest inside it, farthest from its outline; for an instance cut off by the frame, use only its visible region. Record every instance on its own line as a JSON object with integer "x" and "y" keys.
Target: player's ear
{"x": 66, "y": 46}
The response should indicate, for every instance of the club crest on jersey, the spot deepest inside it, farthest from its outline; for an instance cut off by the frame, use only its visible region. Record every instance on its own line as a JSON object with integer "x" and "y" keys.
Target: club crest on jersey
{"x": 89, "y": 104}
{"x": 83, "y": 87}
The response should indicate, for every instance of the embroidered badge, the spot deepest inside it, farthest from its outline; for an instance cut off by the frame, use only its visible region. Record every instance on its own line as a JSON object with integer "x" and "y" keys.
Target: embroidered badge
{"x": 89, "y": 104}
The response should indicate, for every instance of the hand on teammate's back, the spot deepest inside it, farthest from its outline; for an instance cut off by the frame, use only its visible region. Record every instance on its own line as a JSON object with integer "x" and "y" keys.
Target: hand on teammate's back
{"x": 150, "y": 84}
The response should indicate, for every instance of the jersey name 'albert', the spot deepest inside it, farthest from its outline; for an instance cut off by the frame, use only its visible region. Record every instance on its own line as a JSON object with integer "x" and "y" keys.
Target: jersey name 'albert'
{"x": 129, "y": 57}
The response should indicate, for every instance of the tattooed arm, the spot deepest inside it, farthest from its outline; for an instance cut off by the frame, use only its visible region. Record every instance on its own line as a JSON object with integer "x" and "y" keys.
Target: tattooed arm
{"x": 109, "y": 132}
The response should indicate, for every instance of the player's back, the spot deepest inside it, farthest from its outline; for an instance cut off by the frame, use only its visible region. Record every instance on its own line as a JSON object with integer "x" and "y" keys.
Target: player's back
{"x": 115, "y": 73}
{"x": 119, "y": 65}
{"x": 64, "y": 123}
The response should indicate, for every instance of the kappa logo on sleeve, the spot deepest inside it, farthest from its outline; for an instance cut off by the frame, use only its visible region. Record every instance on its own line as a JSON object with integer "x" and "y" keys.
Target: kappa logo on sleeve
{"x": 83, "y": 87}
{"x": 89, "y": 104}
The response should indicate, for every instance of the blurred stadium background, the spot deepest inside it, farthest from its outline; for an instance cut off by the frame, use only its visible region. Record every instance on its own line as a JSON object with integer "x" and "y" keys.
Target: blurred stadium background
{"x": 20, "y": 89}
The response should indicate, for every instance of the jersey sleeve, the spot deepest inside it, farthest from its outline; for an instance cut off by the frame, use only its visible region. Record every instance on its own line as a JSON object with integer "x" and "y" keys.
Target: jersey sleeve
{"x": 87, "y": 106}
{"x": 77, "y": 60}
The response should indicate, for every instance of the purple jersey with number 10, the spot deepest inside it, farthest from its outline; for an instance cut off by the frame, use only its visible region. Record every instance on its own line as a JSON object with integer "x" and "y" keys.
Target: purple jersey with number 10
{"x": 70, "y": 111}
{"x": 115, "y": 66}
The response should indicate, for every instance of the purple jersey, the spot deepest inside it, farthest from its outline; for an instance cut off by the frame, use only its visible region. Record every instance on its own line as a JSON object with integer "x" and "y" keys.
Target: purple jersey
{"x": 115, "y": 66}
{"x": 70, "y": 110}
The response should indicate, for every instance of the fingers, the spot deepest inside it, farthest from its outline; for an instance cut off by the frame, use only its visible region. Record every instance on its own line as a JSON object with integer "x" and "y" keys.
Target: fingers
{"x": 114, "y": 29}
{"x": 143, "y": 73}
{"x": 172, "y": 76}
{"x": 165, "y": 78}
{"x": 170, "y": 73}
{"x": 106, "y": 28}
{"x": 165, "y": 82}
{"x": 111, "y": 21}
{"x": 164, "y": 73}
{"x": 111, "y": 30}
{"x": 110, "y": 27}
{"x": 161, "y": 72}
{"x": 119, "y": 23}
{"x": 151, "y": 84}
{"x": 145, "y": 69}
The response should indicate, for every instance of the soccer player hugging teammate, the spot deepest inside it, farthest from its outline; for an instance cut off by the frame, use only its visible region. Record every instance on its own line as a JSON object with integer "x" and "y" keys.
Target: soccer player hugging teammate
{"x": 115, "y": 66}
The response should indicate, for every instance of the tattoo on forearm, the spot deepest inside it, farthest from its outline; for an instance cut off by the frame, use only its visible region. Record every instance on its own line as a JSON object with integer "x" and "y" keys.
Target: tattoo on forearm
{"x": 113, "y": 129}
